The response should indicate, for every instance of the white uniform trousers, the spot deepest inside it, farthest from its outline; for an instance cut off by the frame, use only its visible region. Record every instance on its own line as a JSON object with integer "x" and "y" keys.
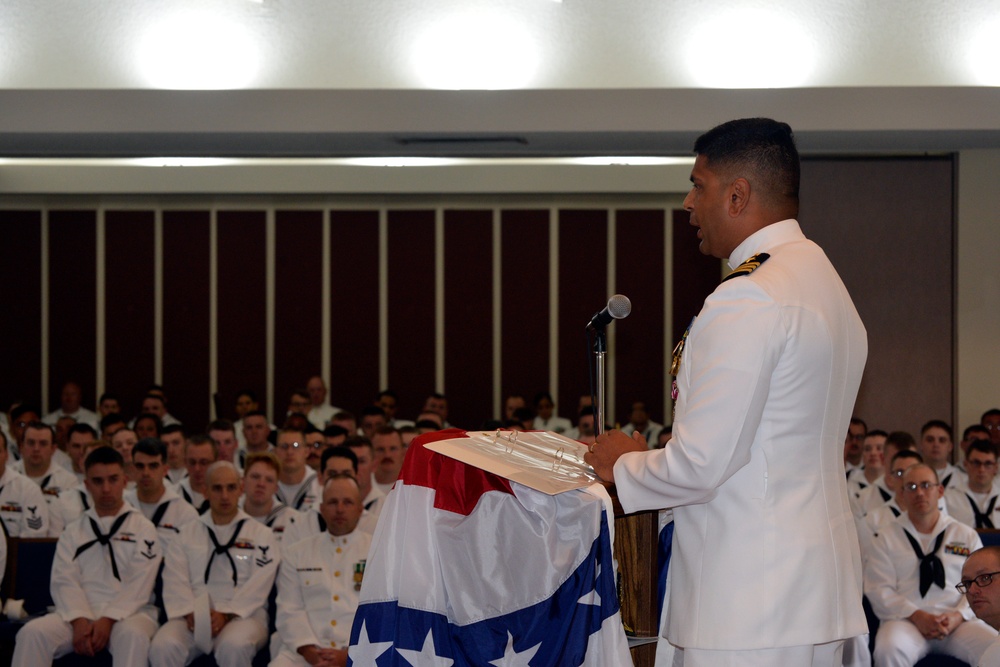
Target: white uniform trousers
{"x": 49, "y": 637}
{"x": 900, "y": 644}
{"x": 820, "y": 655}
{"x": 235, "y": 646}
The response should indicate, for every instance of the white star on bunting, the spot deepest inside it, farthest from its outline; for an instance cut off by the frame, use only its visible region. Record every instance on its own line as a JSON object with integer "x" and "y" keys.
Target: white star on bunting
{"x": 426, "y": 656}
{"x": 512, "y": 658}
{"x": 365, "y": 653}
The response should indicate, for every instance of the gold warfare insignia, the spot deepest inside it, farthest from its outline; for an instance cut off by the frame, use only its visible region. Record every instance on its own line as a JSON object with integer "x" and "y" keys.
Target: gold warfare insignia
{"x": 748, "y": 267}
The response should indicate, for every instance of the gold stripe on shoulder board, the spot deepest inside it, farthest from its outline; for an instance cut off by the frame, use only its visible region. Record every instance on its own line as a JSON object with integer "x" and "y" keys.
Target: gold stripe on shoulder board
{"x": 748, "y": 267}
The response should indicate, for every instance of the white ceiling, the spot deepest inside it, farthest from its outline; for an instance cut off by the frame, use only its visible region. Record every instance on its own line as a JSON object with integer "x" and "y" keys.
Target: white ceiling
{"x": 369, "y": 77}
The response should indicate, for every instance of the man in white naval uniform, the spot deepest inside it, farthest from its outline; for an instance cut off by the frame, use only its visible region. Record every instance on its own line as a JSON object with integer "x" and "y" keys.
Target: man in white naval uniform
{"x": 157, "y": 501}
{"x": 980, "y": 572}
{"x": 23, "y": 510}
{"x": 200, "y": 453}
{"x": 767, "y": 376}
{"x": 936, "y": 446}
{"x": 298, "y": 486}
{"x": 976, "y": 503}
{"x": 216, "y": 580}
{"x": 910, "y": 579}
{"x": 102, "y": 579}
{"x": 319, "y": 580}
{"x": 69, "y": 406}
{"x": 37, "y": 450}
{"x": 260, "y": 483}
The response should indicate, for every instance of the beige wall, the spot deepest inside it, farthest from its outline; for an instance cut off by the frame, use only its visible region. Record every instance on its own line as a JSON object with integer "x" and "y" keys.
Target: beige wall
{"x": 978, "y": 319}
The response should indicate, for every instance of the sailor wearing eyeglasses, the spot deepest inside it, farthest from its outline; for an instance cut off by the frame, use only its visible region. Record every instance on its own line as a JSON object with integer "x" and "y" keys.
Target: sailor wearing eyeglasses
{"x": 298, "y": 485}
{"x": 981, "y": 571}
{"x": 910, "y": 579}
{"x": 976, "y": 503}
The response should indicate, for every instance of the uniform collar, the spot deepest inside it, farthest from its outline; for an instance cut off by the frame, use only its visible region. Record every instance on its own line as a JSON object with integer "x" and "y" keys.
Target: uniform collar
{"x": 775, "y": 234}
{"x": 206, "y": 519}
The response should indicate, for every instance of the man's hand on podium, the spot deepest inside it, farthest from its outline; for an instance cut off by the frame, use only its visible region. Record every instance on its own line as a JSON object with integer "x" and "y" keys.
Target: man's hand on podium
{"x": 608, "y": 448}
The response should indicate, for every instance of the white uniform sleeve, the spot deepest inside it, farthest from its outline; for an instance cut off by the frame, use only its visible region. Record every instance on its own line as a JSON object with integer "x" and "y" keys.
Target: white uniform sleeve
{"x": 178, "y": 595}
{"x": 732, "y": 350}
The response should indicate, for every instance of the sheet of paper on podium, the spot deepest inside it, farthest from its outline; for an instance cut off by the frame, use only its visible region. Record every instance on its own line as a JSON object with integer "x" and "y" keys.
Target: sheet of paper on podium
{"x": 543, "y": 460}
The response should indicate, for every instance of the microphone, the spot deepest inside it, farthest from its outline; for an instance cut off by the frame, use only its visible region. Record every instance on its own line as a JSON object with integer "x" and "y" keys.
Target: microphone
{"x": 618, "y": 307}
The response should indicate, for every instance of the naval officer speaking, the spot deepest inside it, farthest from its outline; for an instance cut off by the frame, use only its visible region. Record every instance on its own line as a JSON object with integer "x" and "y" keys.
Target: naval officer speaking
{"x": 766, "y": 568}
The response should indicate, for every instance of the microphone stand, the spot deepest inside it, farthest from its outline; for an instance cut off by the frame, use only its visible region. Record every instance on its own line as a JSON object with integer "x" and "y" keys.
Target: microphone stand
{"x": 600, "y": 352}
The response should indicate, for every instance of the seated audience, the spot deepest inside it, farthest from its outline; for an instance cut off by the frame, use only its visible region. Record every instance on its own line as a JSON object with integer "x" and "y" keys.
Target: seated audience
{"x": 216, "y": 581}
{"x": 102, "y": 578}
{"x": 910, "y": 578}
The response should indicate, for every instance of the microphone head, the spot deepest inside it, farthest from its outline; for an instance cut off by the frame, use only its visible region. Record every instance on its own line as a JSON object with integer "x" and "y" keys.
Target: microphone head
{"x": 619, "y": 306}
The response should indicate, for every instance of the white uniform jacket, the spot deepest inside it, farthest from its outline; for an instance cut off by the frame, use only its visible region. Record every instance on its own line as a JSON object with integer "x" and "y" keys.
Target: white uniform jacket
{"x": 303, "y": 495}
{"x": 755, "y": 466}
{"x": 960, "y": 500}
{"x": 84, "y": 585}
{"x": 318, "y": 586}
{"x": 22, "y": 506}
{"x": 278, "y": 519}
{"x": 255, "y": 555}
{"x": 168, "y": 521}
{"x": 195, "y": 499}
{"x": 892, "y": 573}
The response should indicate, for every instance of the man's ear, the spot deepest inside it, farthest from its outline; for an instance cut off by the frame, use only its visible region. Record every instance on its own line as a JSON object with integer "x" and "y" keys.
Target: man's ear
{"x": 739, "y": 196}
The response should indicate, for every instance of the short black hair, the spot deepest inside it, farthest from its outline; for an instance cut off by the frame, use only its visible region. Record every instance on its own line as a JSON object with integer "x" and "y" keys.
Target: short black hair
{"x": 334, "y": 431}
{"x": 339, "y": 451}
{"x": 760, "y": 150}
{"x": 937, "y": 423}
{"x": 110, "y": 420}
{"x": 151, "y": 447}
{"x": 105, "y": 455}
{"x": 80, "y": 427}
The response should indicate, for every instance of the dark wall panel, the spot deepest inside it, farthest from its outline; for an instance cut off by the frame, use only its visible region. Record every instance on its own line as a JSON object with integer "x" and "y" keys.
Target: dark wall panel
{"x": 186, "y": 316}
{"x": 298, "y": 307}
{"x": 354, "y": 294}
{"x": 72, "y": 303}
{"x": 242, "y": 303}
{"x": 583, "y": 290}
{"x": 411, "y": 308}
{"x": 20, "y": 326}
{"x": 639, "y": 355}
{"x": 524, "y": 321}
{"x": 468, "y": 316}
{"x": 694, "y": 277}
{"x": 887, "y": 226}
{"x": 129, "y": 315}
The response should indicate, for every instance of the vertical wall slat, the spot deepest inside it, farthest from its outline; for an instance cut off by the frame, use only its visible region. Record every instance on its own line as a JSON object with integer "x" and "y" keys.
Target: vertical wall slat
{"x": 72, "y": 302}
{"x": 639, "y": 354}
{"x": 411, "y": 307}
{"x": 129, "y": 315}
{"x": 20, "y": 332}
{"x": 354, "y": 308}
{"x": 525, "y": 303}
{"x": 468, "y": 289}
{"x": 582, "y": 292}
{"x": 186, "y": 315}
{"x": 298, "y": 306}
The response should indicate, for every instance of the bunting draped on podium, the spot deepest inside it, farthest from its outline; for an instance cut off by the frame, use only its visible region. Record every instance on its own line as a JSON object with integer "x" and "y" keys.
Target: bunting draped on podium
{"x": 467, "y": 568}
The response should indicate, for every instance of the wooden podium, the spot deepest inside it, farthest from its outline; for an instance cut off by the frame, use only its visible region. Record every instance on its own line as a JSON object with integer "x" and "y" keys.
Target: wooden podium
{"x": 636, "y": 546}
